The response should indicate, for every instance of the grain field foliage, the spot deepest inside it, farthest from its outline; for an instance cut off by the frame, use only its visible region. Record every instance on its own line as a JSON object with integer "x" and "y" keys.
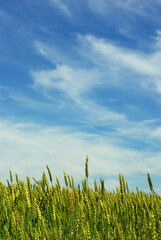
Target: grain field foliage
{"x": 41, "y": 211}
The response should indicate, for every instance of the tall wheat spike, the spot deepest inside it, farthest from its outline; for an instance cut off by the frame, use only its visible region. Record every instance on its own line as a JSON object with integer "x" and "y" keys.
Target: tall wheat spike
{"x": 86, "y": 168}
{"x": 150, "y": 183}
{"x": 11, "y": 176}
{"x": 65, "y": 179}
{"x": 49, "y": 172}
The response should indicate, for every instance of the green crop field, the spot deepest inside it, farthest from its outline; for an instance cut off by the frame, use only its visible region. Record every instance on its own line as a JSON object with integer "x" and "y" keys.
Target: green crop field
{"x": 39, "y": 211}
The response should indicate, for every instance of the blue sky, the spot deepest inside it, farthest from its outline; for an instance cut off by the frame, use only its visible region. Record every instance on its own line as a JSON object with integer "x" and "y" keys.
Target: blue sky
{"x": 81, "y": 77}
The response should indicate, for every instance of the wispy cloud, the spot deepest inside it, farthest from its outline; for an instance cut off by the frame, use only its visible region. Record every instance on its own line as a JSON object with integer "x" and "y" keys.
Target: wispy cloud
{"x": 73, "y": 82}
{"x": 130, "y": 18}
{"x": 141, "y": 8}
{"x": 123, "y": 60}
{"x": 157, "y": 133}
{"x": 123, "y": 56}
{"x": 111, "y": 66}
{"x": 62, "y": 6}
{"x": 91, "y": 115}
{"x": 107, "y": 59}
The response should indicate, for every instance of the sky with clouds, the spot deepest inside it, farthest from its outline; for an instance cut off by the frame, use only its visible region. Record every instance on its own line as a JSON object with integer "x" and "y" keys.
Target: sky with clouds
{"x": 81, "y": 78}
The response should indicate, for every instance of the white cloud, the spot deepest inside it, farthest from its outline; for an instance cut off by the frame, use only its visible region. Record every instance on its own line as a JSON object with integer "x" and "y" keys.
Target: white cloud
{"x": 49, "y": 53}
{"x": 124, "y": 56}
{"x": 76, "y": 84}
{"x": 30, "y": 147}
{"x": 91, "y": 114}
{"x": 62, "y": 6}
{"x": 121, "y": 63}
{"x": 142, "y": 8}
{"x": 128, "y": 17}
{"x": 73, "y": 82}
{"x": 112, "y": 66}
{"x": 55, "y": 54}
{"x": 141, "y": 130}
{"x": 157, "y": 133}
{"x": 138, "y": 61}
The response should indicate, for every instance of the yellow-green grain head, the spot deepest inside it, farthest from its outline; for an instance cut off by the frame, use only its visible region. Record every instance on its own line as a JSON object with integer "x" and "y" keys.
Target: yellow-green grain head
{"x": 86, "y": 168}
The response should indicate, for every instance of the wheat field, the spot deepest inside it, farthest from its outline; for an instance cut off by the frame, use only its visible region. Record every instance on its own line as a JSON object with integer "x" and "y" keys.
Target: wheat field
{"x": 39, "y": 211}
